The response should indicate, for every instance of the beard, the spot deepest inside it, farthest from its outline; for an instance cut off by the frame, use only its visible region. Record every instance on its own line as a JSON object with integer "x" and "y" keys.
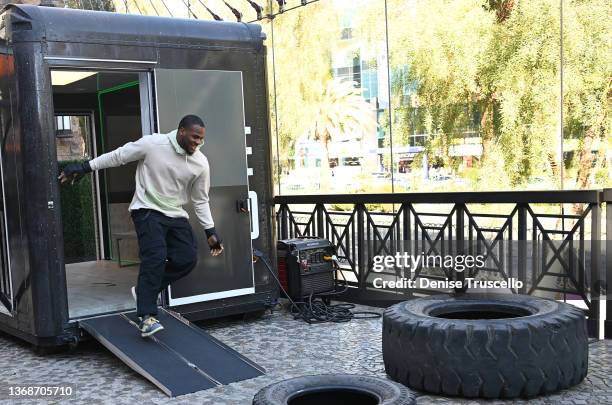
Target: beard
{"x": 186, "y": 148}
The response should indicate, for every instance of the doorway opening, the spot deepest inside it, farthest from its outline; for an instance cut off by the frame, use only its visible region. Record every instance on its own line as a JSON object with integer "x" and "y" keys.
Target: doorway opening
{"x": 96, "y": 112}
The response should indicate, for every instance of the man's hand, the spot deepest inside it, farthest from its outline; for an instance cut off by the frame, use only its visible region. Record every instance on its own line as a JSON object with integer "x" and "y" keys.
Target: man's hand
{"x": 74, "y": 172}
{"x": 216, "y": 248}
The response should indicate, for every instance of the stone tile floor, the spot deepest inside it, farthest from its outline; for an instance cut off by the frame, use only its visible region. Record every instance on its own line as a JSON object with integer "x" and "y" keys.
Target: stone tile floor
{"x": 283, "y": 346}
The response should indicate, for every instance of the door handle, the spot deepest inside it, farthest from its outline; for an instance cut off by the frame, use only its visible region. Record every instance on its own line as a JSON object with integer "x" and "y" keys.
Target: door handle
{"x": 242, "y": 206}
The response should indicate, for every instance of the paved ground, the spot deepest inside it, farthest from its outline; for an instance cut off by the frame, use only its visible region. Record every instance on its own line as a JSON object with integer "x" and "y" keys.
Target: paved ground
{"x": 283, "y": 346}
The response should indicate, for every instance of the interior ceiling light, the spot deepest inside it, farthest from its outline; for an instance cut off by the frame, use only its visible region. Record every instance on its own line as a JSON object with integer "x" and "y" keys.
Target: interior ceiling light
{"x": 64, "y": 77}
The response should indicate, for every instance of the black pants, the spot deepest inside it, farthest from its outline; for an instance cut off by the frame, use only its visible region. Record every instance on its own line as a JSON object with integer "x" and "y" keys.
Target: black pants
{"x": 168, "y": 251}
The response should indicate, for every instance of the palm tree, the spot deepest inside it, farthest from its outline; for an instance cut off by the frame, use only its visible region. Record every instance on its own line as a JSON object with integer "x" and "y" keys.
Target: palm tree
{"x": 342, "y": 111}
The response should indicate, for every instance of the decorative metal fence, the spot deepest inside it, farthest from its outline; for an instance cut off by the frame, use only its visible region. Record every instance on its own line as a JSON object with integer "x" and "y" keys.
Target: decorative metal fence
{"x": 550, "y": 241}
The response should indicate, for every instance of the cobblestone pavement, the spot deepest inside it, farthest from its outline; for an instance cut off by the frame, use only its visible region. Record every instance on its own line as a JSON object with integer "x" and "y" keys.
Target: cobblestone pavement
{"x": 283, "y": 346}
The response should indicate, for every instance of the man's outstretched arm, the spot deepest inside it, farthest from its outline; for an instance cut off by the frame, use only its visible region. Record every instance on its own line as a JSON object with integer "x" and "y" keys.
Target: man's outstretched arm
{"x": 127, "y": 153}
{"x": 201, "y": 204}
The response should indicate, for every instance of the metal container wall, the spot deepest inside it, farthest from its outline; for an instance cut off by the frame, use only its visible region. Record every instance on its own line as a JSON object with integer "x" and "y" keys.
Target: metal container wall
{"x": 41, "y": 38}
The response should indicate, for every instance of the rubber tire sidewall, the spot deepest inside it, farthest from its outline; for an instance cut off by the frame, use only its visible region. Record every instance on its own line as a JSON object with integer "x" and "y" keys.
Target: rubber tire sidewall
{"x": 391, "y": 393}
{"x": 489, "y": 358}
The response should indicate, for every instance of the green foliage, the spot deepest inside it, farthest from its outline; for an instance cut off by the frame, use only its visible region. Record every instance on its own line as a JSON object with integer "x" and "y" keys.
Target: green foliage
{"x": 78, "y": 218}
{"x": 451, "y": 60}
{"x": 378, "y": 207}
{"x": 434, "y": 50}
{"x": 470, "y": 174}
{"x": 342, "y": 207}
{"x": 303, "y": 40}
{"x": 96, "y": 5}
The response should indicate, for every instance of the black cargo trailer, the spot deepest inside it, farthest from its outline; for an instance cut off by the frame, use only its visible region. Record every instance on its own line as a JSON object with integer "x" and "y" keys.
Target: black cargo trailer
{"x": 75, "y": 84}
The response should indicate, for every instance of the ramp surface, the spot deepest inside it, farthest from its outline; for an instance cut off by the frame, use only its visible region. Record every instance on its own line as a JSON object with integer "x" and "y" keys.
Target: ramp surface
{"x": 220, "y": 362}
{"x": 179, "y": 360}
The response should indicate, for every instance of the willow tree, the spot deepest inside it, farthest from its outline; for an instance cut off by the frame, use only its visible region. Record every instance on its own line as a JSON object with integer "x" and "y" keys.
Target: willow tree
{"x": 520, "y": 69}
{"x": 435, "y": 51}
{"x": 100, "y": 5}
{"x": 302, "y": 47}
{"x": 497, "y": 63}
{"x": 588, "y": 84}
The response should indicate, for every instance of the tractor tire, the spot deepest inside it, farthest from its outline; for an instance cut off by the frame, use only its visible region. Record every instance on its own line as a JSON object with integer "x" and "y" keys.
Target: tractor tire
{"x": 485, "y": 345}
{"x": 335, "y": 389}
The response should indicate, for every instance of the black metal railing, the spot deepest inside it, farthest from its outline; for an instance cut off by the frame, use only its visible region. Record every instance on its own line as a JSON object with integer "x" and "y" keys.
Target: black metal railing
{"x": 532, "y": 237}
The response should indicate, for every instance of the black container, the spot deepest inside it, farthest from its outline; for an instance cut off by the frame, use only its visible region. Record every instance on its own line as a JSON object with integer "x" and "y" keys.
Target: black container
{"x": 34, "y": 40}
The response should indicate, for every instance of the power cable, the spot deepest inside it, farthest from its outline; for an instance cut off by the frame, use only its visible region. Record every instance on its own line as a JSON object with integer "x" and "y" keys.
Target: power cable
{"x": 258, "y": 9}
{"x": 236, "y": 13}
{"x": 137, "y": 7}
{"x": 165, "y": 5}
{"x": 313, "y": 311}
{"x": 154, "y": 9}
{"x": 215, "y": 16}
{"x": 189, "y": 10}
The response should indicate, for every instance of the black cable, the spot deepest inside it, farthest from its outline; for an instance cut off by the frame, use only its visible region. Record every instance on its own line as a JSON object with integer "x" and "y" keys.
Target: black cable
{"x": 215, "y": 16}
{"x": 189, "y": 11}
{"x": 314, "y": 311}
{"x": 138, "y": 7}
{"x": 236, "y": 13}
{"x": 165, "y": 5}
{"x": 154, "y": 9}
{"x": 260, "y": 255}
{"x": 258, "y": 9}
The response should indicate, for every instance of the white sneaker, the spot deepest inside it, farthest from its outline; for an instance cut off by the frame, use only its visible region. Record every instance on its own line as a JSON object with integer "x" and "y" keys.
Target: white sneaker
{"x": 136, "y": 300}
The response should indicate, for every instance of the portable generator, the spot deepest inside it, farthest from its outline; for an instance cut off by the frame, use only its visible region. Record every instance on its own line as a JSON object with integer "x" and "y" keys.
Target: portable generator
{"x": 305, "y": 266}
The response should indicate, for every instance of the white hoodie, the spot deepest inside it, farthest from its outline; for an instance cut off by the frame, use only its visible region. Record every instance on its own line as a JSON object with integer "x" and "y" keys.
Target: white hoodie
{"x": 166, "y": 176}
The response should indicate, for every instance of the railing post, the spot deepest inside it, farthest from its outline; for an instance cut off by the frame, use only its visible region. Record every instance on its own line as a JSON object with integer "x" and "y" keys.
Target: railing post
{"x": 522, "y": 246}
{"x": 596, "y": 276}
{"x": 361, "y": 247}
{"x": 320, "y": 224}
{"x": 284, "y": 218}
{"x": 406, "y": 244}
{"x": 607, "y": 198}
{"x": 459, "y": 241}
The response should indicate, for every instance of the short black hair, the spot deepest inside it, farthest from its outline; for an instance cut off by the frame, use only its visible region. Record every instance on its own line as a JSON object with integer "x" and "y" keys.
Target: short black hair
{"x": 190, "y": 120}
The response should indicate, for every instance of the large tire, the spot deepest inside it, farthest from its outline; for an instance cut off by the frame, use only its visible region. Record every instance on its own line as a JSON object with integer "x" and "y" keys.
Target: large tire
{"x": 542, "y": 349}
{"x": 385, "y": 391}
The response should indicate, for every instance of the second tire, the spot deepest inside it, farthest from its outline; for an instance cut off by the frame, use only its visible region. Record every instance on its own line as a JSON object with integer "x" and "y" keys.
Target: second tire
{"x": 487, "y": 346}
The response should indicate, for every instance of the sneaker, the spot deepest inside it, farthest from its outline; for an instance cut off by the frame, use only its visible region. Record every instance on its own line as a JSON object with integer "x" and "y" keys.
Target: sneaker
{"x": 149, "y": 326}
{"x": 136, "y": 301}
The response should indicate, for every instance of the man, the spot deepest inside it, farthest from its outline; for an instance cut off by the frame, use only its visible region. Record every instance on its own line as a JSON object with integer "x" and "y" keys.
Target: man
{"x": 170, "y": 171}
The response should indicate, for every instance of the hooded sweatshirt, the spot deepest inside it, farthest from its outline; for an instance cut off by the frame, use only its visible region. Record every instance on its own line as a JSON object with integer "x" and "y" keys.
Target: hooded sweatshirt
{"x": 166, "y": 176}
